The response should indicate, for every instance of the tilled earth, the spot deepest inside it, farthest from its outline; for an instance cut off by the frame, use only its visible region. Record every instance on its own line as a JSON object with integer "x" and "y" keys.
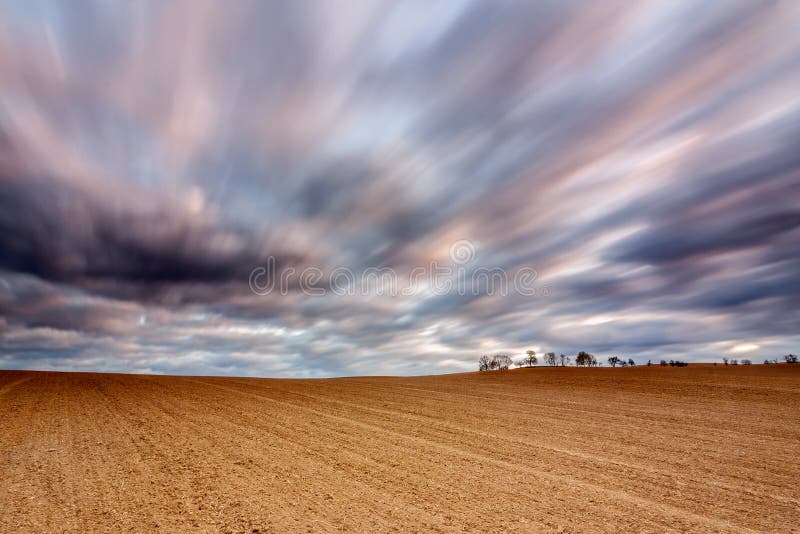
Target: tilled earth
{"x": 701, "y": 448}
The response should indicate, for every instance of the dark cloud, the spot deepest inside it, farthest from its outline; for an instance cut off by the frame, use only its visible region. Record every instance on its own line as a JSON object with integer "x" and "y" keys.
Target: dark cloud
{"x": 679, "y": 242}
{"x": 61, "y": 234}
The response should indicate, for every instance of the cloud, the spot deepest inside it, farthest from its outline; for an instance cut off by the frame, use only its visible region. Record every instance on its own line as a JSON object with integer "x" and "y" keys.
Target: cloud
{"x": 642, "y": 159}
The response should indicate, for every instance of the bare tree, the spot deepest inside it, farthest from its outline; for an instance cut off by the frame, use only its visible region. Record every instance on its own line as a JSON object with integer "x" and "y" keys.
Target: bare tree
{"x": 530, "y": 360}
{"x": 747, "y": 362}
{"x": 584, "y": 359}
{"x": 483, "y": 363}
{"x": 613, "y": 360}
{"x": 550, "y": 358}
{"x": 631, "y": 362}
{"x": 725, "y": 361}
{"x": 790, "y": 358}
{"x": 500, "y": 362}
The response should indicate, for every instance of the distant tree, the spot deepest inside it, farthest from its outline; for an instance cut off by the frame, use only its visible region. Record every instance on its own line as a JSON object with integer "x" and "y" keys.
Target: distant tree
{"x": 483, "y": 363}
{"x": 613, "y": 360}
{"x": 501, "y": 362}
{"x": 747, "y": 362}
{"x": 649, "y": 363}
{"x": 530, "y": 360}
{"x": 663, "y": 362}
{"x": 631, "y": 362}
{"x": 790, "y": 358}
{"x": 564, "y": 360}
{"x": 767, "y": 362}
{"x": 519, "y": 363}
{"x": 734, "y": 362}
{"x": 550, "y": 358}
{"x": 584, "y": 359}
{"x": 725, "y": 361}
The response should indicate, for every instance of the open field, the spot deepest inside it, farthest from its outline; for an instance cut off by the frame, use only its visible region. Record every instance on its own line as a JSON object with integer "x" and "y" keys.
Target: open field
{"x": 700, "y": 448}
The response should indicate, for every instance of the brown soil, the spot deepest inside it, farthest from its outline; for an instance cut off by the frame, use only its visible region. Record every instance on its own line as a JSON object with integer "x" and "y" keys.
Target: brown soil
{"x": 700, "y": 449}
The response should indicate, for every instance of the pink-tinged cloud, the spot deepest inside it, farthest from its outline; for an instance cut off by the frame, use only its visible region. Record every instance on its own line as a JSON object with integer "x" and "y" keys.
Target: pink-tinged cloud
{"x": 641, "y": 159}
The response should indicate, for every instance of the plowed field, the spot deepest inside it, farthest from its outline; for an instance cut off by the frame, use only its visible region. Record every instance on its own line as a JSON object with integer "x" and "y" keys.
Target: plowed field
{"x": 702, "y": 448}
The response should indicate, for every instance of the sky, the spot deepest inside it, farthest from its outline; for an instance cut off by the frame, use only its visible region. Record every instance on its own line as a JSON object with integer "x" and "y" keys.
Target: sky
{"x": 164, "y": 163}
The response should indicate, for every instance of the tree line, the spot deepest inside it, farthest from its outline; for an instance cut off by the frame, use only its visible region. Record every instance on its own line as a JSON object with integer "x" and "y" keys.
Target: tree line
{"x": 503, "y": 361}
{"x": 789, "y": 358}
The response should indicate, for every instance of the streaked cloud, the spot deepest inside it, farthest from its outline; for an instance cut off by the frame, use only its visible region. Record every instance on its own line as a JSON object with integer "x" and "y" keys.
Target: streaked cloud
{"x": 641, "y": 158}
